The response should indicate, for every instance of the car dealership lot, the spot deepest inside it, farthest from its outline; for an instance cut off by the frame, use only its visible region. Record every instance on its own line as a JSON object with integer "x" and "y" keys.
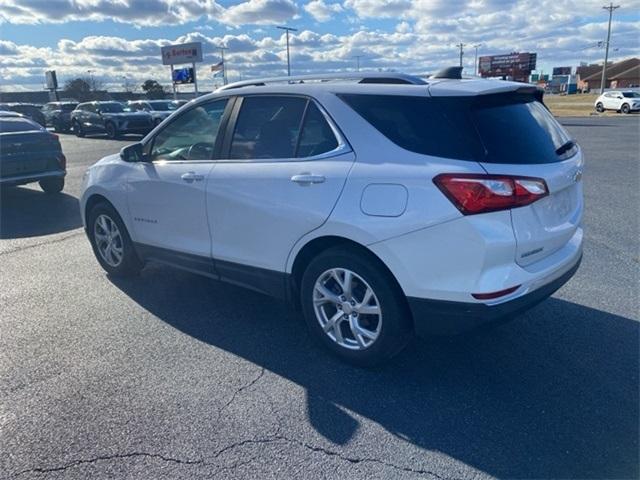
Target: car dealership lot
{"x": 175, "y": 376}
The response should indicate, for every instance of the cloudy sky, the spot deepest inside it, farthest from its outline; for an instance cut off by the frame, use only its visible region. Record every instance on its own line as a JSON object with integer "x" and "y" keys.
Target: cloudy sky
{"x": 117, "y": 38}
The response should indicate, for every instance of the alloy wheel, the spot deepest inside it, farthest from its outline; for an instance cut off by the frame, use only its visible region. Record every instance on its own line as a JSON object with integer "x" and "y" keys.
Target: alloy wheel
{"x": 347, "y": 308}
{"x": 108, "y": 240}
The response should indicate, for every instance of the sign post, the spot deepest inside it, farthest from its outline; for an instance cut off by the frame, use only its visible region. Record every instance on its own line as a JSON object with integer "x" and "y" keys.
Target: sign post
{"x": 186, "y": 53}
{"x": 52, "y": 84}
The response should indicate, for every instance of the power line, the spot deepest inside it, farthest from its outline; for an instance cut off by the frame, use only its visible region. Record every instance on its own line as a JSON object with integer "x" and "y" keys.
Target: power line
{"x": 611, "y": 7}
{"x": 288, "y": 29}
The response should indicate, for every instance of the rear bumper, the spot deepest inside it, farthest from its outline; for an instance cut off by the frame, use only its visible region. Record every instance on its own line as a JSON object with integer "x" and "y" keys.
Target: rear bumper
{"x": 31, "y": 177}
{"x": 441, "y": 317}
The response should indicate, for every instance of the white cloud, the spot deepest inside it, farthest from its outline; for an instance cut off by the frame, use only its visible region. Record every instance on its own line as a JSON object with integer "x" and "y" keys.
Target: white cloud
{"x": 321, "y": 11}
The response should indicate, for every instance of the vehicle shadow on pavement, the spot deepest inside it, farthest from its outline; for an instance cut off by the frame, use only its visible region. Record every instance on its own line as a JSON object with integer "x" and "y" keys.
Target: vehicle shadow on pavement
{"x": 554, "y": 394}
{"x": 26, "y": 212}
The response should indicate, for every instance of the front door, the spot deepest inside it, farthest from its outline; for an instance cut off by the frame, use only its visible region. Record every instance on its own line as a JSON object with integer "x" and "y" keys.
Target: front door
{"x": 166, "y": 194}
{"x": 282, "y": 174}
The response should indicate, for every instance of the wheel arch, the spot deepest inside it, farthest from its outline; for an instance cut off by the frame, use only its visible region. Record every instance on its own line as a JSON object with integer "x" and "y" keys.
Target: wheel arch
{"x": 320, "y": 244}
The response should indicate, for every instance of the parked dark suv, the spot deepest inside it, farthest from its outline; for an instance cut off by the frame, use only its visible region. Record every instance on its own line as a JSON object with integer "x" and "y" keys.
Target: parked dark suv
{"x": 58, "y": 115}
{"x": 109, "y": 117}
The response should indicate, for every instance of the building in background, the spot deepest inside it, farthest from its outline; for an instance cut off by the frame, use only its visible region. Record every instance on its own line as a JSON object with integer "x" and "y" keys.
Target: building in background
{"x": 623, "y": 74}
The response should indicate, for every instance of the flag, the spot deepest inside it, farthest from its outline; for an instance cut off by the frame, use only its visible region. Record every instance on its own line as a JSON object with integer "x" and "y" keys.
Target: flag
{"x": 218, "y": 67}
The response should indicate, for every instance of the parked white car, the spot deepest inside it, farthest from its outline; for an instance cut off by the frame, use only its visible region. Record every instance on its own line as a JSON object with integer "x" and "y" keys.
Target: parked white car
{"x": 381, "y": 204}
{"x": 625, "y": 102}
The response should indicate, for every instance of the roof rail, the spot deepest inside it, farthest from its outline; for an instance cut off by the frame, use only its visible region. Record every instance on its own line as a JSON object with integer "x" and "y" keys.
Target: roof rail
{"x": 363, "y": 77}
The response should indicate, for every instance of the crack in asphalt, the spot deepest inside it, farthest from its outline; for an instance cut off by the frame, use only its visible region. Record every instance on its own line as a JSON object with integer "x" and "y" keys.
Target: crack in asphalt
{"x": 275, "y": 438}
{"x": 239, "y": 390}
{"x": 117, "y": 456}
{"x": 40, "y": 244}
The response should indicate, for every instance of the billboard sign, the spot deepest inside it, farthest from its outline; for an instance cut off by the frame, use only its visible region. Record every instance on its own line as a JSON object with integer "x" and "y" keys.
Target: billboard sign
{"x": 180, "y": 54}
{"x": 52, "y": 80}
{"x": 183, "y": 75}
{"x": 561, "y": 71}
{"x": 516, "y": 65}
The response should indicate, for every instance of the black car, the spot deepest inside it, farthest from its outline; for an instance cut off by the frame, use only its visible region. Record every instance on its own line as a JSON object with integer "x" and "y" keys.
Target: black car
{"x": 28, "y": 109}
{"x": 58, "y": 115}
{"x": 29, "y": 153}
{"x": 109, "y": 117}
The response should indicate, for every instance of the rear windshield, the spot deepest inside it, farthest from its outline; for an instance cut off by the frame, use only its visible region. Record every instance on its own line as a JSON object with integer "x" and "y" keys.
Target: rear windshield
{"x": 164, "y": 106}
{"x": 14, "y": 124}
{"x": 502, "y": 128}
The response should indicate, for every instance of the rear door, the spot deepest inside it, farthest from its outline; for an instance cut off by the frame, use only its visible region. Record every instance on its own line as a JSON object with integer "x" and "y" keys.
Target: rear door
{"x": 284, "y": 169}
{"x": 522, "y": 138}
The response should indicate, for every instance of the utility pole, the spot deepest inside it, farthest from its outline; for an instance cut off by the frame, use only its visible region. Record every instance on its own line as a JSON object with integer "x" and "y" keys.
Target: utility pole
{"x": 288, "y": 29}
{"x": 358, "y": 57}
{"x": 475, "y": 62}
{"x": 611, "y": 7}
{"x": 461, "y": 46}
{"x": 224, "y": 65}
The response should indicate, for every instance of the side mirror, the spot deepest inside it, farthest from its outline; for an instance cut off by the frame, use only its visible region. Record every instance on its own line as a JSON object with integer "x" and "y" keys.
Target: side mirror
{"x": 133, "y": 153}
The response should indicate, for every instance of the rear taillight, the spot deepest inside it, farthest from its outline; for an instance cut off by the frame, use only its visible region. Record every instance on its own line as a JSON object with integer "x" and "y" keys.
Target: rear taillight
{"x": 478, "y": 193}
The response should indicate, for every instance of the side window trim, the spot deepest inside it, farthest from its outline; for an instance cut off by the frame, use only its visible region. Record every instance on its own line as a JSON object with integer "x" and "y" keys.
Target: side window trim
{"x": 147, "y": 145}
{"x": 342, "y": 148}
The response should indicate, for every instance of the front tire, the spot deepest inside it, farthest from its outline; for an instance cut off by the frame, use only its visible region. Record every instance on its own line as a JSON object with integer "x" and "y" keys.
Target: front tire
{"x": 52, "y": 185}
{"x": 111, "y": 242}
{"x": 354, "y": 307}
{"x": 112, "y": 131}
{"x": 78, "y": 130}
{"x": 625, "y": 108}
{"x": 599, "y": 107}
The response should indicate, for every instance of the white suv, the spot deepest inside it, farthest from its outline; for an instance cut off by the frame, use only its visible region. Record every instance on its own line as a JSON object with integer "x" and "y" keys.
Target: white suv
{"x": 381, "y": 204}
{"x": 625, "y": 102}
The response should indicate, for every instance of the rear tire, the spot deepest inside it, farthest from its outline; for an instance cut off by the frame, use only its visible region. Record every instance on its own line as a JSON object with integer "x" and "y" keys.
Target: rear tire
{"x": 599, "y": 107}
{"x": 338, "y": 319}
{"x": 111, "y": 242}
{"x": 625, "y": 108}
{"x": 52, "y": 185}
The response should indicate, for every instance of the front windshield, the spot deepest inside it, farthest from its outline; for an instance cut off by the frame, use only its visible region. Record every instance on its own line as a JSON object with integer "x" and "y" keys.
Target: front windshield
{"x": 164, "y": 106}
{"x": 111, "y": 107}
{"x": 631, "y": 94}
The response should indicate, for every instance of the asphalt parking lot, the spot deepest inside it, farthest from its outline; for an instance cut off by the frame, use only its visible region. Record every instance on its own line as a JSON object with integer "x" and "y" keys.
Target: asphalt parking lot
{"x": 172, "y": 375}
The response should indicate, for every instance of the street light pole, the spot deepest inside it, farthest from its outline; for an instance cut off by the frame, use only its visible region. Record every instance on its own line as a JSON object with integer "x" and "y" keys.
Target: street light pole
{"x": 461, "y": 46}
{"x": 611, "y": 7}
{"x": 93, "y": 84}
{"x": 358, "y": 57}
{"x": 287, "y": 30}
{"x": 475, "y": 62}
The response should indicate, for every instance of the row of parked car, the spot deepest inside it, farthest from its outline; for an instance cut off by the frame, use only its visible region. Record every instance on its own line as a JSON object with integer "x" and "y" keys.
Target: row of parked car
{"x": 106, "y": 117}
{"x": 30, "y": 153}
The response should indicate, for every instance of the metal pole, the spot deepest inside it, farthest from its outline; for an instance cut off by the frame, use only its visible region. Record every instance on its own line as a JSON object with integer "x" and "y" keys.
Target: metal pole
{"x": 224, "y": 66}
{"x": 173, "y": 84}
{"x": 93, "y": 84}
{"x": 475, "y": 62}
{"x": 358, "y": 57}
{"x": 195, "y": 80}
{"x": 611, "y": 7}
{"x": 461, "y": 45}
{"x": 287, "y": 30}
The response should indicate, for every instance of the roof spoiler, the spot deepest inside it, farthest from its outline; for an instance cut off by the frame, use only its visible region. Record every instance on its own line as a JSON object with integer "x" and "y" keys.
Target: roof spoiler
{"x": 452, "y": 73}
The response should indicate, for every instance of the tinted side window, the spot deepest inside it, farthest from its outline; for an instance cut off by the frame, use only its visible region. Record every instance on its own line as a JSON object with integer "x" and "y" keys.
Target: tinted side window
{"x": 316, "y": 136}
{"x": 192, "y": 135}
{"x": 417, "y": 124}
{"x": 267, "y": 127}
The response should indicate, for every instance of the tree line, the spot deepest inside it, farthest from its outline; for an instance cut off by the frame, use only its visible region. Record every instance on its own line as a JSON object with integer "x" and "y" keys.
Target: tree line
{"x": 85, "y": 89}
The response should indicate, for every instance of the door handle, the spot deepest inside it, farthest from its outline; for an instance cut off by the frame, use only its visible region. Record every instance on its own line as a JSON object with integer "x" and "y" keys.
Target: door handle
{"x": 191, "y": 177}
{"x": 308, "y": 179}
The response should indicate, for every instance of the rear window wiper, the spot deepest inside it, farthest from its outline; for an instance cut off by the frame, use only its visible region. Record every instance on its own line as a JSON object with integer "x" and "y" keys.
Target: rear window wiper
{"x": 565, "y": 147}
